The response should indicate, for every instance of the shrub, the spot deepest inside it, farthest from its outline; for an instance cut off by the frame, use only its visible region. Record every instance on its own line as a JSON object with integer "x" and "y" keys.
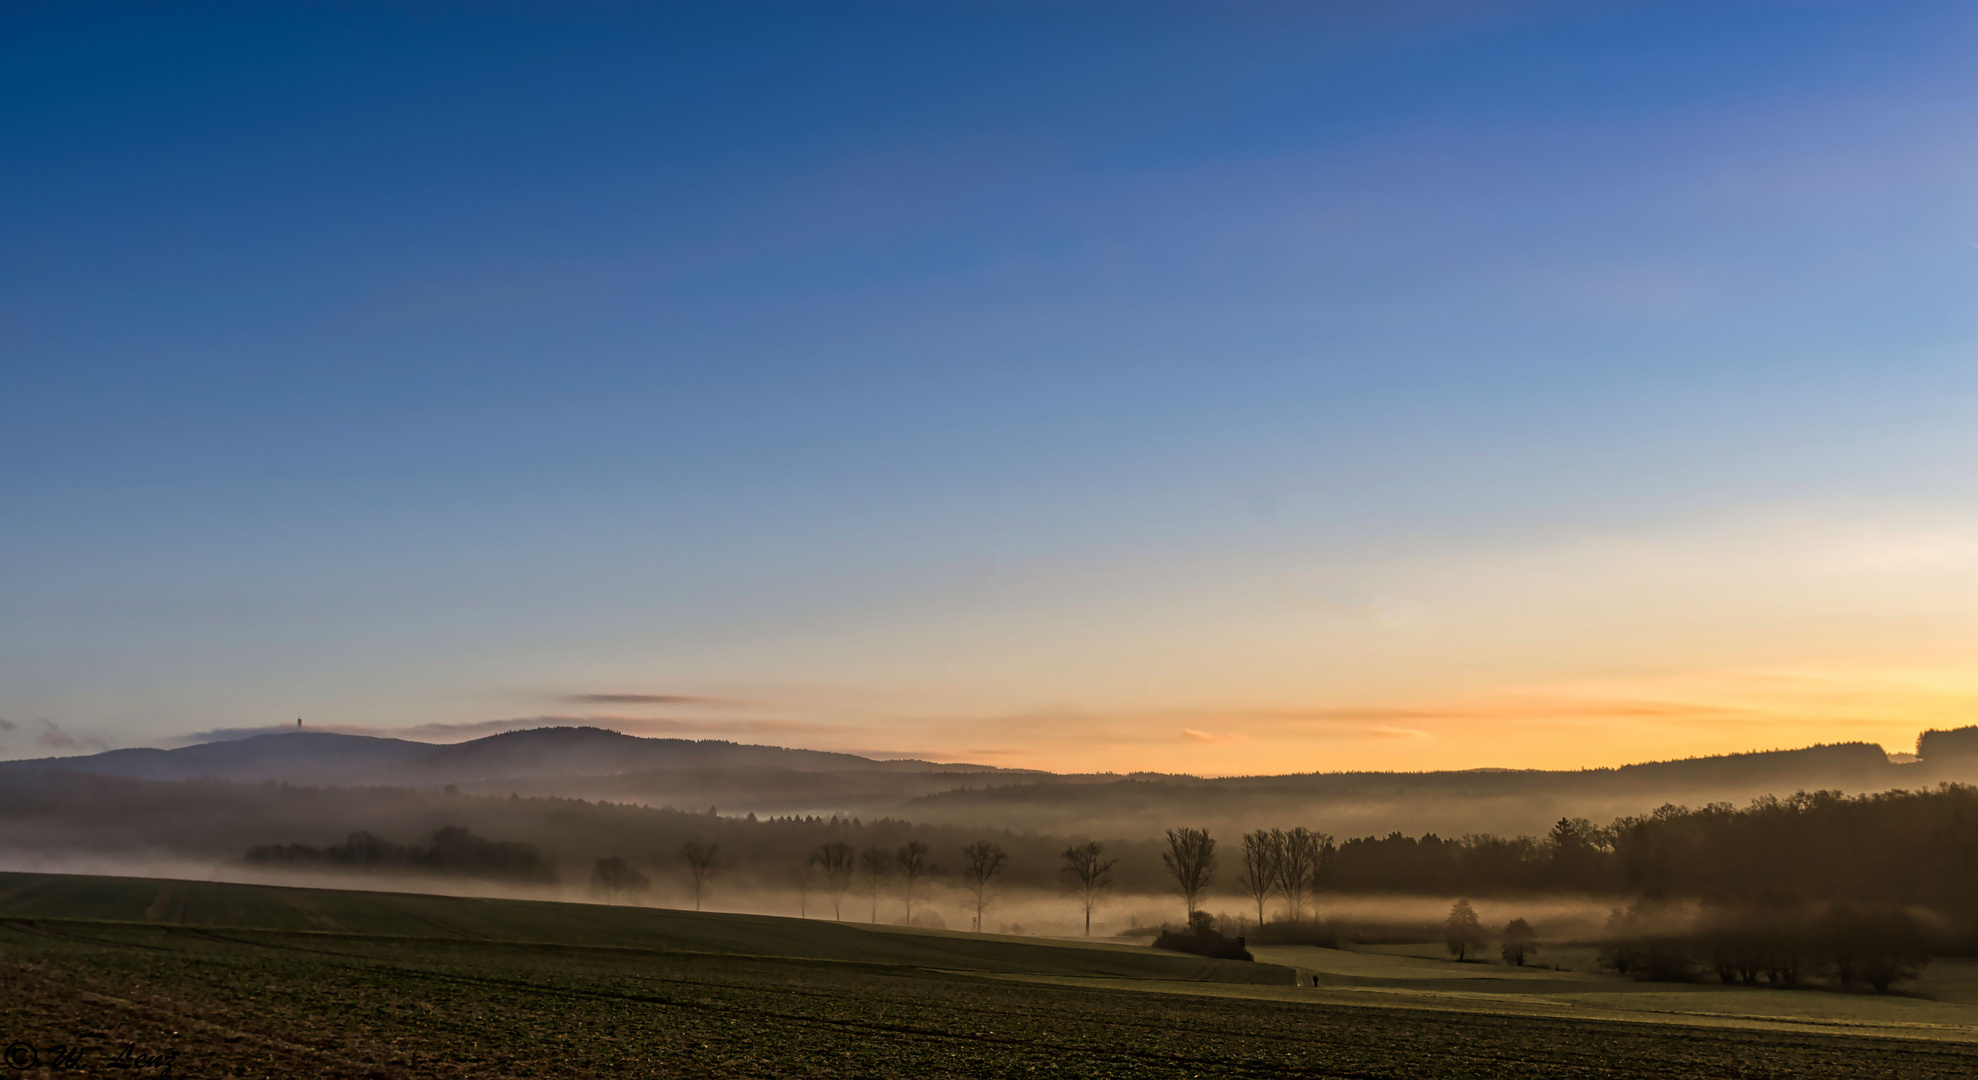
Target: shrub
{"x": 1202, "y": 939}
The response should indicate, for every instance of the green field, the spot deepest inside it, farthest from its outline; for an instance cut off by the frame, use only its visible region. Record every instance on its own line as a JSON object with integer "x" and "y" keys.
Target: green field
{"x": 263, "y": 981}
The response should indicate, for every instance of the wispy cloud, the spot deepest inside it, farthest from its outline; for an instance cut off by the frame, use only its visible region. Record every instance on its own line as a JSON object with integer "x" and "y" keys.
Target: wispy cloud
{"x": 653, "y": 725}
{"x": 645, "y": 699}
{"x": 54, "y": 738}
{"x": 1502, "y": 708}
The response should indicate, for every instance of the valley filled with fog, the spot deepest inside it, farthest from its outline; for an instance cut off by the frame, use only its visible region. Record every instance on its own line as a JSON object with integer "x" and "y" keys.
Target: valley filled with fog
{"x": 534, "y": 814}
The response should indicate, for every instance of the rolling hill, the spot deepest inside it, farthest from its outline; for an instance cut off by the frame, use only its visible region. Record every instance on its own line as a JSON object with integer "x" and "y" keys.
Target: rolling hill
{"x": 594, "y": 764}
{"x": 319, "y": 757}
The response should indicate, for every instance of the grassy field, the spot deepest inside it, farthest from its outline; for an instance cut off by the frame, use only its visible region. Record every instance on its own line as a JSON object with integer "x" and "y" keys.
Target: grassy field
{"x": 1941, "y": 1005}
{"x": 261, "y": 981}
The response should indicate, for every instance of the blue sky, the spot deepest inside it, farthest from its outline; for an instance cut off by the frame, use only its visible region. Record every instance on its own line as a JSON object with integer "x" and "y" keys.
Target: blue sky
{"x": 1004, "y": 381}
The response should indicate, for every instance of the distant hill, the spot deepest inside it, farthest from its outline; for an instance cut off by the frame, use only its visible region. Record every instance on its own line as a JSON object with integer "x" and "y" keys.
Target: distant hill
{"x": 592, "y": 763}
{"x": 1503, "y": 801}
{"x": 569, "y": 753}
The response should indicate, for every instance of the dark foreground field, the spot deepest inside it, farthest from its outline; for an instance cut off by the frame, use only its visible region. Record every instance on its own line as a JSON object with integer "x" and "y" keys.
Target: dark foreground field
{"x": 252, "y": 981}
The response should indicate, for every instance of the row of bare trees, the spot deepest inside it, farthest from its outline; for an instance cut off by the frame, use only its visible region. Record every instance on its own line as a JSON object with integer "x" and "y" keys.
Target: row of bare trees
{"x": 1276, "y": 862}
{"x": 1285, "y": 864}
{"x": 1087, "y": 873}
{"x": 844, "y": 866}
{"x": 1282, "y": 863}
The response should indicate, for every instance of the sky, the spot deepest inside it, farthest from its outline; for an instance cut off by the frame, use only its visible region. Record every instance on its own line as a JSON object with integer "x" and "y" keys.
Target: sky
{"x": 1220, "y": 388}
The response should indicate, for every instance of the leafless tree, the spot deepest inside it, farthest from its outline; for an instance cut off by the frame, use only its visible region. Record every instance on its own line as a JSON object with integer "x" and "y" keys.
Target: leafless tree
{"x": 838, "y": 863}
{"x": 700, "y": 865}
{"x": 985, "y": 861}
{"x": 1263, "y": 860}
{"x": 1298, "y": 870}
{"x": 912, "y": 860}
{"x": 874, "y": 866}
{"x": 1191, "y": 858}
{"x": 1087, "y": 875}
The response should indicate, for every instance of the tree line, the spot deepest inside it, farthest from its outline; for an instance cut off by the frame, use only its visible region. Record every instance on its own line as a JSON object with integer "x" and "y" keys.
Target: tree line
{"x": 1893, "y": 848}
{"x": 447, "y": 850}
{"x": 1775, "y": 941}
{"x": 839, "y": 873}
{"x": 1896, "y": 847}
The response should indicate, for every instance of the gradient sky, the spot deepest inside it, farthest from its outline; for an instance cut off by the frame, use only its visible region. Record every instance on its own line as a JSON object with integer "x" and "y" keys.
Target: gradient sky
{"x": 1219, "y": 387}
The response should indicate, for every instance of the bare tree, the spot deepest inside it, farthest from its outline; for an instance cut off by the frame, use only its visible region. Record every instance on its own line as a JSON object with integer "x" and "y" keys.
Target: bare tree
{"x": 912, "y": 860}
{"x": 1461, "y": 931}
{"x": 1191, "y": 858}
{"x": 1519, "y": 942}
{"x": 1263, "y": 860}
{"x": 700, "y": 865}
{"x": 838, "y": 863}
{"x": 985, "y": 861}
{"x": 1087, "y": 875}
{"x": 874, "y": 866}
{"x": 1298, "y": 871}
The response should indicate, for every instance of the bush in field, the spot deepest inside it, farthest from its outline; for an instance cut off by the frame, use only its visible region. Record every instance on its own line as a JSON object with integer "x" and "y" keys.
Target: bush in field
{"x": 1203, "y": 939}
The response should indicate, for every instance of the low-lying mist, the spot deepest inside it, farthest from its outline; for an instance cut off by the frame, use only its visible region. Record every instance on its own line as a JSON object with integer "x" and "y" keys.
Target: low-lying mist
{"x": 941, "y": 905}
{"x": 1887, "y": 851}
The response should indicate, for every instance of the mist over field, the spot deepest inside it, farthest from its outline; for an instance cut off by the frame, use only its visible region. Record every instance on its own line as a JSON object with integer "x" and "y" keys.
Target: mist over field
{"x": 943, "y": 904}
{"x": 319, "y": 810}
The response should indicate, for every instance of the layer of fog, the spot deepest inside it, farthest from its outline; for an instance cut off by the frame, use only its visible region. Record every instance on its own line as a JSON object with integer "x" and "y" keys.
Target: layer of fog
{"x": 1444, "y": 813}
{"x": 940, "y": 905}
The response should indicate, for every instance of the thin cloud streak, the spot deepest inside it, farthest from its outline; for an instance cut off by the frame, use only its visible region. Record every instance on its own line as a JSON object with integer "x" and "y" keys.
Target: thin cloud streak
{"x": 646, "y": 699}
